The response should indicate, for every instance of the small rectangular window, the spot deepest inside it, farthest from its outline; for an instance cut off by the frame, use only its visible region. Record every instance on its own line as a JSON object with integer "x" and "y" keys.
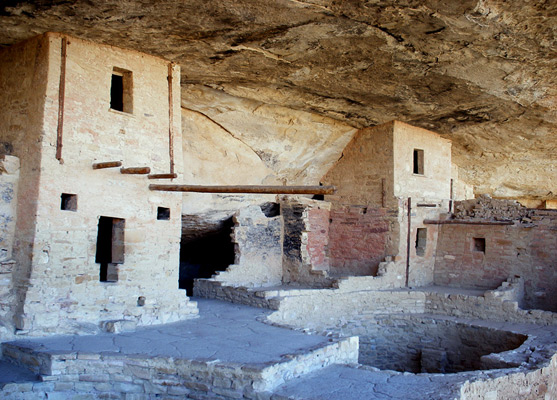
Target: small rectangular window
{"x": 163, "y": 213}
{"x": 121, "y": 89}
{"x": 110, "y": 247}
{"x": 421, "y": 241}
{"x": 418, "y": 167}
{"x": 479, "y": 244}
{"x": 69, "y": 202}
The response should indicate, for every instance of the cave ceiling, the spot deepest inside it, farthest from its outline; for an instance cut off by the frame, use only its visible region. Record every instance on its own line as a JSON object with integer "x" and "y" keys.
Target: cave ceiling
{"x": 482, "y": 73}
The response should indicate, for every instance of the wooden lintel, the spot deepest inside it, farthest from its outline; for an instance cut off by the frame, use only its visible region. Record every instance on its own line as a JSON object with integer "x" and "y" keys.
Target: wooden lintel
{"x": 135, "y": 170}
{"x": 162, "y": 176}
{"x": 426, "y": 205}
{"x": 246, "y": 189}
{"x": 465, "y": 222}
{"x": 108, "y": 164}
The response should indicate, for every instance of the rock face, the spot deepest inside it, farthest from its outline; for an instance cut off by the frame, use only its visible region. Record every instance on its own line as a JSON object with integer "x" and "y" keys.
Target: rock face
{"x": 479, "y": 72}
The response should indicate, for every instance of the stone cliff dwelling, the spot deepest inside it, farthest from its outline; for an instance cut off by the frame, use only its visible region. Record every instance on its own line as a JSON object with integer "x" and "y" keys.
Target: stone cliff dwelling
{"x": 185, "y": 230}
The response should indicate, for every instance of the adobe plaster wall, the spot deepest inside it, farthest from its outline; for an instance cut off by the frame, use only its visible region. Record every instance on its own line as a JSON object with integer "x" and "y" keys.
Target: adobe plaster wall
{"x": 59, "y": 288}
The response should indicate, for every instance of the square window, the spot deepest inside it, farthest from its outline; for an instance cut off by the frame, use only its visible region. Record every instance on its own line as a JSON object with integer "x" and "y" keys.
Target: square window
{"x": 479, "y": 244}
{"x": 69, "y": 202}
{"x": 163, "y": 213}
{"x": 121, "y": 88}
{"x": 418, "y": 167}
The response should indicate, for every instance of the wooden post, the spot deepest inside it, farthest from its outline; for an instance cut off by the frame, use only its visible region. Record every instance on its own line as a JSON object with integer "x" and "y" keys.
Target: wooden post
{"x": 451, "y": 198}
{"x": 383, "y": 193}
{"x": 108, "y": 164}
{"x": 61, "y": 97}
{"x": 162, "y": 176}
{"x": 135, "y": 170}
{"x": 170, "y": 118}
{"x": 408, "y": 240}
{"x": 246, "y": 189}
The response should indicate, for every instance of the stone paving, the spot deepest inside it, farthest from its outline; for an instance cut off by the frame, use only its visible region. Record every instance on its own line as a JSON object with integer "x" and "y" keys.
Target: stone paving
{"x": 234, "y": 334}
{"x": 224, "y": 331}
{"x": 357, "y": 383}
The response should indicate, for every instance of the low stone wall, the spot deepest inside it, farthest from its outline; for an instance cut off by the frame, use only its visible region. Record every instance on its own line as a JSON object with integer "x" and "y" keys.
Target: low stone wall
{"x": 212, "y": 289}
{"x": 102, "y": 376}
{"x": 538, "y": 384}
{"x": 502, "y": 304}
{"x": 321, "y": 309}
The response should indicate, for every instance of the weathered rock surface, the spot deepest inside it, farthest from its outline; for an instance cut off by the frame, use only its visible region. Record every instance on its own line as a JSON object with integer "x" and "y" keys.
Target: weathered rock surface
{"x": 480, "y": 72}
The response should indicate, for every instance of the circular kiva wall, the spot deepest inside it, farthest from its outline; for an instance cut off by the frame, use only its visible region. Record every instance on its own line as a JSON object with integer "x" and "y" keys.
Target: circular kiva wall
{"x": 420, "y": 344}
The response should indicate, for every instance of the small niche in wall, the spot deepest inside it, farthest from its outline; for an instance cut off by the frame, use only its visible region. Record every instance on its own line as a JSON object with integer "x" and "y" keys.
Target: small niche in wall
{"x": 69, "y": 202}
{"x": 479, "y": 244}
{"x": 163, "y": 213}
{"x": 110, "y": 247}
{"x": 421, "y": 241}
{"x": 121, "y": 89}
{"x": 418, "y": 164}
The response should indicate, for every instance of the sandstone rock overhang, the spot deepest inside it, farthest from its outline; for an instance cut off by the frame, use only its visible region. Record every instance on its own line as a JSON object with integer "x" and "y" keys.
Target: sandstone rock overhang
{"x": 481, "y": 73}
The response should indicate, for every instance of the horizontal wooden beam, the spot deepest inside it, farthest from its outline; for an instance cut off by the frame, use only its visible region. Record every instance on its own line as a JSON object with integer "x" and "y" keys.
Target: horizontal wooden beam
{"x": 135, "y": 170}
{"x": 465, "y": 222}
{"x": 246, "y": 189}
{"x": 108, "y": 164}
{"x": 162, "y": 176}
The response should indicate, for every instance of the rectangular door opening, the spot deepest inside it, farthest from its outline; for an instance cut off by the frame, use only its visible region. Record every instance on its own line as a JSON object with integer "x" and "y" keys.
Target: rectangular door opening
{"x": 110, "y": 247}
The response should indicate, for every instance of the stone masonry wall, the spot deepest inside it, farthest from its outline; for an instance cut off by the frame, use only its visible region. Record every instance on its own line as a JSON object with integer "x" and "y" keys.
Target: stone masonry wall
{"x": 306, "y": 241}
{"x": 357, "y": 240}
{"x": 435, "y": 182}
{"x": 21, "y": 124}
{"x": 9, "y": 178}
{"x": 61, "y": 291}
{"x": 527, "y": 250}
{"x": 530, "y": 385}
{"x": 323, "y": 309}
{"x": 365, "y": 169}
{"x": 258, "y": 240}
{"x": 423, "y": 344}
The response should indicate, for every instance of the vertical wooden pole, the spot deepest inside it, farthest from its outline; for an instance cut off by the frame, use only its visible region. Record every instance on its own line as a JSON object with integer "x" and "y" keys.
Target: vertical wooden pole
{"x": 61, "y": 97}
{"x": 408, "y": 240}
{"x": 171, "y": 117}
{"x": 383, "y": 193}
{"x": 451, "y": 198}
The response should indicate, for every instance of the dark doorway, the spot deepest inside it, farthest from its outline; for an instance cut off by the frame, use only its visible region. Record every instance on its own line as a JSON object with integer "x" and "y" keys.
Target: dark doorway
{"x": 117, "y": 93}
{"x": 205, "y": 253}
{"x": 110, "y": 247}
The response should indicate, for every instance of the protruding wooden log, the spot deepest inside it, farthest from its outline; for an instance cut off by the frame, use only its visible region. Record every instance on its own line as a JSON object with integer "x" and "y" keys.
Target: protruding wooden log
{"x": 246, "y": 189}
{"x": 108, "y": 164}
{"x": 135, "y": 170}
{"x": 162, "y": 176}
